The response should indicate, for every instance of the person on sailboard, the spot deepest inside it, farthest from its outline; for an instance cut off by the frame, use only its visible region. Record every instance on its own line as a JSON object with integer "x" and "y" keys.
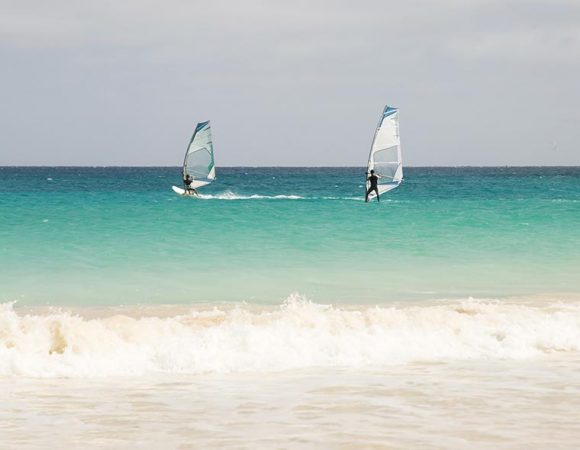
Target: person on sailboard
{"x": 187, "y": 182}
{"x": 373, "y": 181}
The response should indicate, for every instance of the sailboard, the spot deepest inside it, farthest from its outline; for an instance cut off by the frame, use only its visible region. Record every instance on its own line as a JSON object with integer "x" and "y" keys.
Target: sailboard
{"x": 385, "y": 155}
{"x": 199, "y": 161}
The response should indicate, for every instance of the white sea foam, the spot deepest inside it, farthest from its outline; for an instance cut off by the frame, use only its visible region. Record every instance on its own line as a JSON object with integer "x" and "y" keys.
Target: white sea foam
{"x": 564, "y": 200}
{"x": 229, "y": 195}
{"x": 296, "y": 335}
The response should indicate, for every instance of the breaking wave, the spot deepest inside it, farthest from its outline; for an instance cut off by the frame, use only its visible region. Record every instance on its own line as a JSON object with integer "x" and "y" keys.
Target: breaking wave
{"x": 295, "y": 335}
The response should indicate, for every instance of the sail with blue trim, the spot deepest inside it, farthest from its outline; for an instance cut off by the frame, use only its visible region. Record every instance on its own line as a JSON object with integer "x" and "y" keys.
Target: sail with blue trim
{"x": 385, "y": 155}
{"x": 199, "y": 161}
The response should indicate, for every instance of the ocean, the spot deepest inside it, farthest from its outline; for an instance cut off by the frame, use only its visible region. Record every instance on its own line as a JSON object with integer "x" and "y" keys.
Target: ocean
{"x": 279, "y": 310}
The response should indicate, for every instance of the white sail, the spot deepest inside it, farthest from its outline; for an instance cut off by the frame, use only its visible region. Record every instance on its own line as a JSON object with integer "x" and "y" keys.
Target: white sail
{"x": 385, "y": 156}
{"x": 199, "y": 162}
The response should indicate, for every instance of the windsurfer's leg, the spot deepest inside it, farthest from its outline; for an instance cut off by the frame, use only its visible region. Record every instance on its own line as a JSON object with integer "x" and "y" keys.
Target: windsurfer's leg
{"x": 367, "y": 195}
{"x": 378, "y": 197}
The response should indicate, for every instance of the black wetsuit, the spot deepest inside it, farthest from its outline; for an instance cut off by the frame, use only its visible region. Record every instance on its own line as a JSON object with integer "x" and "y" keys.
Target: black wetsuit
{"x": 373, "y": 180}
{"x": 187, "y": 182}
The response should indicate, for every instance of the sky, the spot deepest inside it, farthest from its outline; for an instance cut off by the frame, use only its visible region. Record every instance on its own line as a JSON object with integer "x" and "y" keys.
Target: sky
{"x": 289, "y": 83}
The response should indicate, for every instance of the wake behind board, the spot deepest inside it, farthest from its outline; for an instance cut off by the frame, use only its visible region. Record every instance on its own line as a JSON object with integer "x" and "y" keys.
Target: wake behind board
{"x": 182, "y": 192}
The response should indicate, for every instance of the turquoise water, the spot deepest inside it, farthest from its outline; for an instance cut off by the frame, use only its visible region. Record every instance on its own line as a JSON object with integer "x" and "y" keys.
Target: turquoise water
{"x": 110, "y": 236}
{"x": 151, "y": 326}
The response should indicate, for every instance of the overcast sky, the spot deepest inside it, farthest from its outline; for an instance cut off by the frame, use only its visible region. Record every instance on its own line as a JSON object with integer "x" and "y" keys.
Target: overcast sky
{"x": 301, "y": 82}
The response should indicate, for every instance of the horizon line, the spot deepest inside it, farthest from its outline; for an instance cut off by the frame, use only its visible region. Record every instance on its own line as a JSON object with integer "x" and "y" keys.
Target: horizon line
{"x": 98, "y": 166}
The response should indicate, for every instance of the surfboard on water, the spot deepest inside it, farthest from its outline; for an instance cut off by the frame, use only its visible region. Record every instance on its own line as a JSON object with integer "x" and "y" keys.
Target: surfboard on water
{"x": 182, "y": 191}
{"x": 199, "y": 161}
{"x": 385, "y": 155}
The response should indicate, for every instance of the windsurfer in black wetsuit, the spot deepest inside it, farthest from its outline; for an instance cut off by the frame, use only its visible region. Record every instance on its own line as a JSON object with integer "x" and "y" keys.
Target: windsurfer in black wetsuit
{"x": 373, "y": 180}
{"x": 187, "y": 182}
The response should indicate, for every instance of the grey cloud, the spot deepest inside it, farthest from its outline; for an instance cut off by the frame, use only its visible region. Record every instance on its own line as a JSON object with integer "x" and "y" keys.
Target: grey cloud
{"x": 298, "y": 83}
